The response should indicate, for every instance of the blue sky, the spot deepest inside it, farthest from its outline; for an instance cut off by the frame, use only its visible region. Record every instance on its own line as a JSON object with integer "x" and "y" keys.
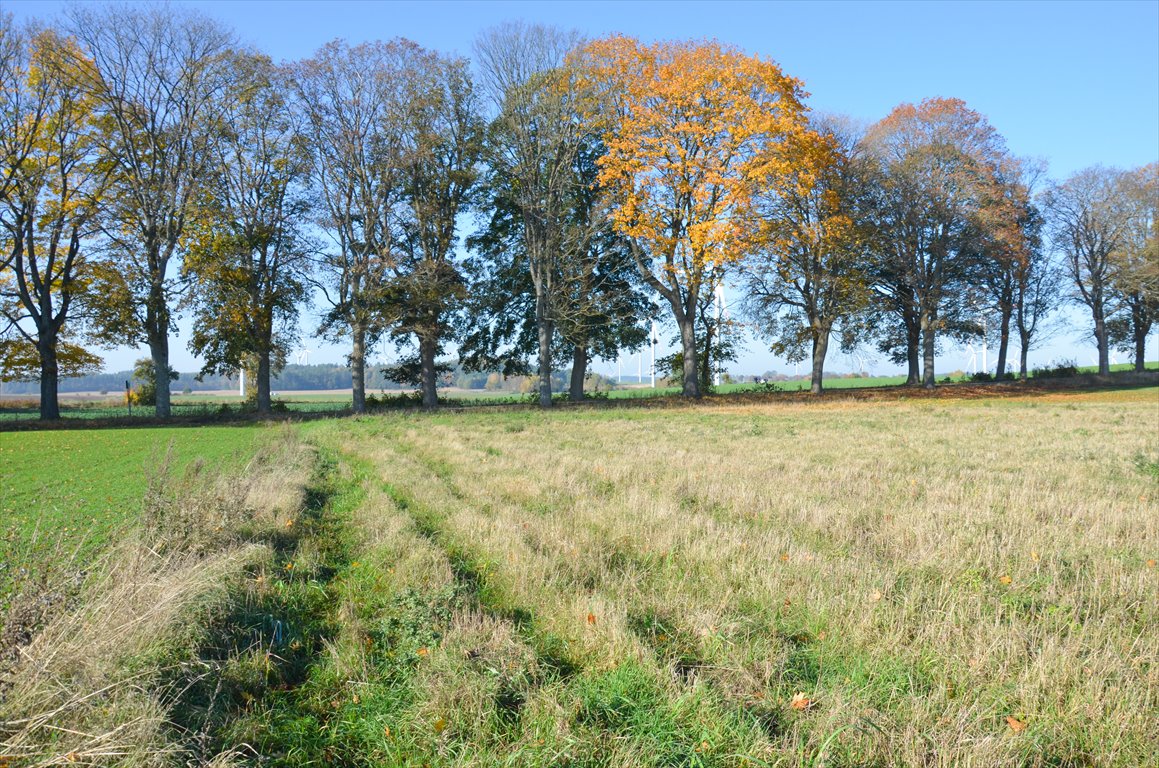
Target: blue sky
{"x": 1074, "y": 83}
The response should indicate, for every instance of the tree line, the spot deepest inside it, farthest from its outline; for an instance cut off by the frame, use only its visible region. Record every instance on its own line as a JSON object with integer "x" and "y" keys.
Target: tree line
{"x": 153, "y": 165}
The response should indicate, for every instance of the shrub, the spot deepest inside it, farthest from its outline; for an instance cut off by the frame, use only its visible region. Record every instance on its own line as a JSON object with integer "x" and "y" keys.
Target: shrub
{"x": 384, "y": 401}
{"x": 143, "y": 374}
{"x": 1060, "y": 370}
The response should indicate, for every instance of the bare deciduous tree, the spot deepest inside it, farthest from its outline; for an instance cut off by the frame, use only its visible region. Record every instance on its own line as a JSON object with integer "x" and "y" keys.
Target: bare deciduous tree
{"x": 164, "y": 73}
{"x": 534, "y": 141}
{"x": 354, "y": 99}
{"x": 1087, "y": 225}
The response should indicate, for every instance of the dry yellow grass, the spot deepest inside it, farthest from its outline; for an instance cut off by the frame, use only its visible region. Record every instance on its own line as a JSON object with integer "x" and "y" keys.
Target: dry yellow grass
{"x": 946, "y": 583}
{"x": 89, "y": 688}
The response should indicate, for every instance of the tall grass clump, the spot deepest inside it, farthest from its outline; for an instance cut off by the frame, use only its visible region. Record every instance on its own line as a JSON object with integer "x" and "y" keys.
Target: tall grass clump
{"x": 96, "y": 683}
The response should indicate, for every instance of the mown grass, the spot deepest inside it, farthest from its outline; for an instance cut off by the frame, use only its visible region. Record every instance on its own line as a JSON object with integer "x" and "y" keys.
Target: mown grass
{"x": 935, "y": 583}
{"x": 62, "y": 494}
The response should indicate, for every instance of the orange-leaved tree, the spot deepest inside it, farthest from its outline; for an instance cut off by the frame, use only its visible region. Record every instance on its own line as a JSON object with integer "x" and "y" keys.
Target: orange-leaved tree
{"x": 694, "y": 131}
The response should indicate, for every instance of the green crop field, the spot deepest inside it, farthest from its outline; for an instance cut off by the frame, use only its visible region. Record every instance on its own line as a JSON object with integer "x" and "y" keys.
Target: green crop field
{"x": 64, "y": 492}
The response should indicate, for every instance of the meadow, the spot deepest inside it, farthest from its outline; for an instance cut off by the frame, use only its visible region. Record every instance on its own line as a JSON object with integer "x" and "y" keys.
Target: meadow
{"x": 916, "y": 582}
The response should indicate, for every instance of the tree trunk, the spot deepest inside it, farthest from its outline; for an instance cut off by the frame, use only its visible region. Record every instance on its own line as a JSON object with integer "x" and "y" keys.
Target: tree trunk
{"x": 1003, "y": 344}
{"x": 1102, "y": 343}
{"x": 820, "y": 347}
{"x": 157, "y": 332}
{"x": 544, "y": 329}
{"x": 691, "y": 375}
{"x": 929, "y": 380}
{"x": 263, "y": 383}
{"x": 1140, "y": 326}
{"x": 913, "y": 335}
{"x": 579, "y": 372}
{"x": 1024, "y": 352}
{"x": 428, "y": 348}
{"x": 159, "y": 351}
{"x": 49, "y": 379}
{"x": 706, "y": 379}
{"x": 358, "y": 367}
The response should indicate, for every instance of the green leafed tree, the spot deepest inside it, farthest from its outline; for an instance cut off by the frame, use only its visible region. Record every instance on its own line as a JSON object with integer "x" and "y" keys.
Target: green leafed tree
{"x": 247, "y": 258}
{"x": 532, "y": 144}
{"x": 1136, "y": 262}
{"x": 442, "y": 134}
{"x": 811, "y": 273}
{"x": 598, "y": 304}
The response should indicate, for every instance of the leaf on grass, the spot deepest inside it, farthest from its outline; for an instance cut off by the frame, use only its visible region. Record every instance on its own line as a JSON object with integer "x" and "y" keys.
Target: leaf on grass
{"x": 591, "y": 618}
{"x": 1151, "y": 563}
{"x": 1015, "y": 724}
{"x": 1034, "y": 555}
{"x": 1005, "y": 580}
{"x": 800, "y": 701}
{"x": 423, "y": 651}
{"x": 876, "y": 595}
{"x": 440, "y": 725}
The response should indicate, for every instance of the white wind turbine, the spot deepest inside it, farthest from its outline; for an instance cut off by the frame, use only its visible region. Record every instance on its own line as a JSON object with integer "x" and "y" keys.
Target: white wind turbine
{"x": 721, "y": 313}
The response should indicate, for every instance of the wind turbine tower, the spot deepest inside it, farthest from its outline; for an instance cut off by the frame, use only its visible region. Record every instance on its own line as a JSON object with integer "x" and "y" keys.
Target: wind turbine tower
{"x": 655, "y": 339}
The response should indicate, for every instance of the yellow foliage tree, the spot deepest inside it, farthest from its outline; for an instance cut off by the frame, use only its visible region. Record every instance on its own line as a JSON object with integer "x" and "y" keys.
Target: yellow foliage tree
{"x": 50, "y": 193}
{"x": 694, "y": 131}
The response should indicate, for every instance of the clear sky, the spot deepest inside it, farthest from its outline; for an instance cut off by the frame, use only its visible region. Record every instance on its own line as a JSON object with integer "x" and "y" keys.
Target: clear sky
{"x": 1074, "y": 83}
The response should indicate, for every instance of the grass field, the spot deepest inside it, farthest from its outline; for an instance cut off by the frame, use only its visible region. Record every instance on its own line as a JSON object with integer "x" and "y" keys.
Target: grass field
{"x": 933, "y": 583}
{"x": 945, "y": 584}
